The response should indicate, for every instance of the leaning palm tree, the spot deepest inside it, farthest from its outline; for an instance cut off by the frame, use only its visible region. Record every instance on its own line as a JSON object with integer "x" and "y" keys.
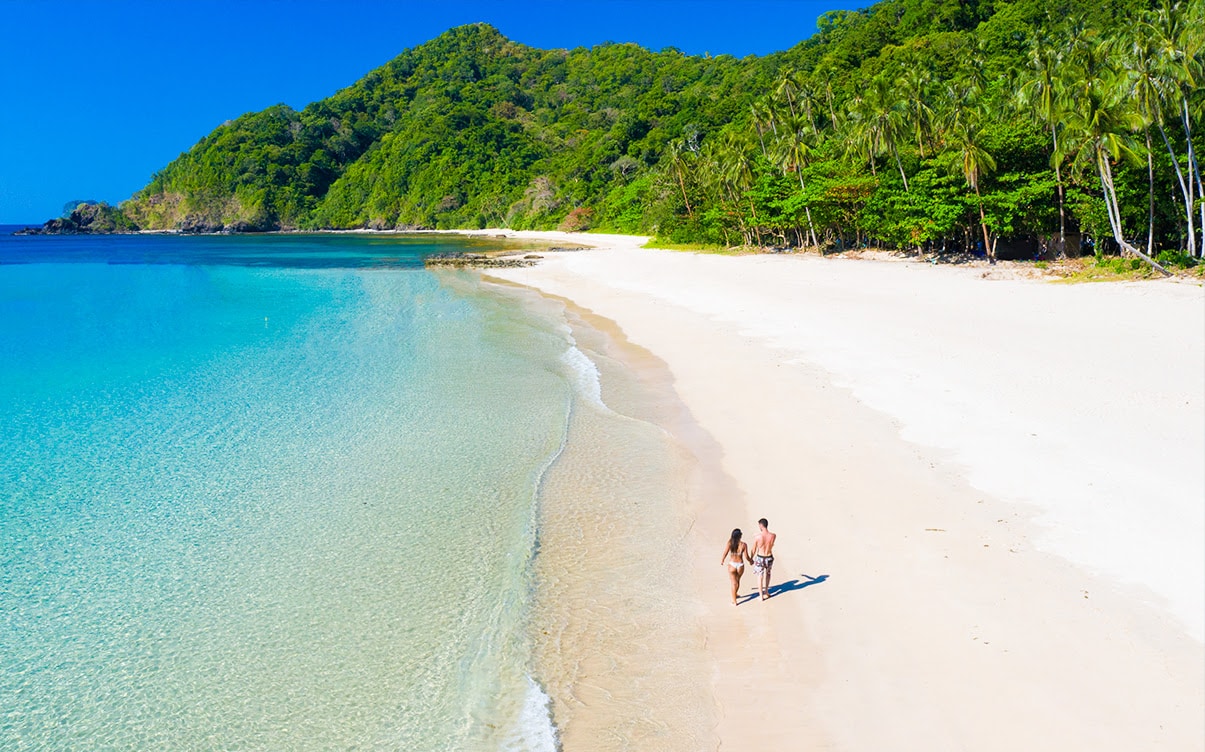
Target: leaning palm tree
{"x": 1098, "y": 129}
{"x": 1175, "y": 31}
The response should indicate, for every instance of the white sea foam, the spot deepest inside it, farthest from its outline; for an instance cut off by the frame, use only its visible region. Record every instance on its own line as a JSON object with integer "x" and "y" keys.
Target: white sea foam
{"x": 584, "y": 375}
{"x": 534, "y": 730}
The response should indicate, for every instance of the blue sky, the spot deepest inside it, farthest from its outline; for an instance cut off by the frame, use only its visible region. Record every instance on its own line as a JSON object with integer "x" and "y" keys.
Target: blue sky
{"x": 98, "y": 95}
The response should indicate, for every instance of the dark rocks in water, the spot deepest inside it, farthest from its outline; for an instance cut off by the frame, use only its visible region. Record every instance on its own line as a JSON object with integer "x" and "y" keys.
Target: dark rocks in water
{"x": 380, "y": 225}
{"x": 532, "y": 256}
{"x": 85, "y": 219}
{"x": 480, "y": 260}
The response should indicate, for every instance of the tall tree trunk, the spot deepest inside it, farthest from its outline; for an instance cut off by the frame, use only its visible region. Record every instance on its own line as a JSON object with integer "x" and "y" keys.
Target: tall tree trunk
{"x": 1150, "y": 211}
{"x": 1184, "y": 191}
{"x": 756, "y": 224}
{"x": 900, "y": 165}
{"x": 1058, "y": 179}
{"x": 806, "y": 210}
{"x": 740, "y": 219}
{"x": 685, "y": 200}
{"x": 1196, "y": 171}
{"x": 988, "y": 248}
{"x": 1110, "y": 192}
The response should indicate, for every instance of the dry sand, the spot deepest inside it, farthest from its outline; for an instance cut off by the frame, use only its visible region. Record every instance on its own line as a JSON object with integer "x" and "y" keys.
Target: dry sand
{"x": 989, "y": 494}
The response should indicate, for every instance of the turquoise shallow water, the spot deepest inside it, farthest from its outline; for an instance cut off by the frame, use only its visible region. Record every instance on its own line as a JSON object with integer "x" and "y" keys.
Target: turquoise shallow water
{"x": 268, "y": 493}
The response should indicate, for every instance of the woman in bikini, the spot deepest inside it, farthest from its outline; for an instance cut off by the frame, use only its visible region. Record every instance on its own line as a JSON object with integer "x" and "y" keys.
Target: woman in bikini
{"x": 735, "y": 555}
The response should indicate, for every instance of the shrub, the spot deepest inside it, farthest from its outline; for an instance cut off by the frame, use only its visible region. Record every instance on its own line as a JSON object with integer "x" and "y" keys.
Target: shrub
{"x": 1176, "y": 259}
{"x": 577, "y": 220}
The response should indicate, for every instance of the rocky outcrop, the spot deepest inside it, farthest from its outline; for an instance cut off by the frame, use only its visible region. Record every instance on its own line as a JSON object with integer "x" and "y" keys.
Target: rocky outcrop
{"x": 482, "y": 260}
{"x": 86, "y": 219}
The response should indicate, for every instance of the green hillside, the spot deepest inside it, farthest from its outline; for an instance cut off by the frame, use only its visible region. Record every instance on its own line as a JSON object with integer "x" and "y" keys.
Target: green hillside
{"x": 933, "y": 124}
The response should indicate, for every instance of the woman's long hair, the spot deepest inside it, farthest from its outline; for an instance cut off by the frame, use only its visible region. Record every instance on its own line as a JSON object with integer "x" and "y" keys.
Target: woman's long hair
{"x": 735, "y": 541}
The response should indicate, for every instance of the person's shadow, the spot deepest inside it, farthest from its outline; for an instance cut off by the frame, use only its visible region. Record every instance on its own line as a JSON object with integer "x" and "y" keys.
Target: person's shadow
{"x": 789, "y": 586}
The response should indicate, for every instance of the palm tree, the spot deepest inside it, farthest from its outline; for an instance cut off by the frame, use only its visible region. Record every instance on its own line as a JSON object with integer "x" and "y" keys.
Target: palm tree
{"x": 793, "y": 151}
{"x": 1044, "y": 96}
{"x": 1139, "y": 54}
{"x": 809, "y": 102}
{"x": 763, "y": 119}
{"x": 1097, "y": 129}
{"x": 1177, "y": 39}
{"x": 913, "y": 88}
{"x": 965, "y": 139}
{"x": 860, "y": 132}
{"x": 711, "y": 179}
{"x": 787, "y": 89}
{"x": 1192, "y": 45}
{"x": 725, "y": 168}
{"x": 877, "y": 123}
{"x": 679, "y": 155}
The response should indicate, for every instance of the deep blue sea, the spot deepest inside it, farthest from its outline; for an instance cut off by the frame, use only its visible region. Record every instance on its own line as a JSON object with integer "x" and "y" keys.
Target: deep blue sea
{"x": 269, "y": 492}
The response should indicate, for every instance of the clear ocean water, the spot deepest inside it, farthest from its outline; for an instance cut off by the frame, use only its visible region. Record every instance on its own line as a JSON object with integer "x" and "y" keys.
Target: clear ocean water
{"x": 272, "y": 492}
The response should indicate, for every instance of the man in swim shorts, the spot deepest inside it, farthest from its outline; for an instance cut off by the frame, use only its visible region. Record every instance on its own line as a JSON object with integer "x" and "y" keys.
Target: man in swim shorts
{"x": 763, "y": 556}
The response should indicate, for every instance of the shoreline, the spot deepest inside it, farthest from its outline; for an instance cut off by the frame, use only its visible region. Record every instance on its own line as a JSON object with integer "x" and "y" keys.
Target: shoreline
{"x": 621, "y": 480}
{"x": 995, "y": 619}
{"x": 1059, "y": 270}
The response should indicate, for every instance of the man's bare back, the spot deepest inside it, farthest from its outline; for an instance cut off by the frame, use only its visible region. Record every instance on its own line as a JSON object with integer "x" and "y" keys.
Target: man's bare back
{"x": 763, "y": 543}
{"x": 762, "y": 552}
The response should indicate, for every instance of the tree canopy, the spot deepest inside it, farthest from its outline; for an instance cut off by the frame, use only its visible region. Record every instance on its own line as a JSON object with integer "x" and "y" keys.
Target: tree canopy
{"x": 983, "y": 126}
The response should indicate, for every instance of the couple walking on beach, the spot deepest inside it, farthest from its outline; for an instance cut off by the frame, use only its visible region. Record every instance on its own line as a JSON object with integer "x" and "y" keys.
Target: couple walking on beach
{"x": 737, "y": 552}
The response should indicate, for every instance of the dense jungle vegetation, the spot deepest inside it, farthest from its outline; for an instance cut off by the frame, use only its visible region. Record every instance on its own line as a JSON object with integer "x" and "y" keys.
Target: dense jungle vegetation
{"x": 1019, "y": 127}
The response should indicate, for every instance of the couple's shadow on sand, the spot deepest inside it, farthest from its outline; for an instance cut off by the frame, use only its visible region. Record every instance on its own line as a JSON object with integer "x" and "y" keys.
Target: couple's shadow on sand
{"x": 783, "y": 588}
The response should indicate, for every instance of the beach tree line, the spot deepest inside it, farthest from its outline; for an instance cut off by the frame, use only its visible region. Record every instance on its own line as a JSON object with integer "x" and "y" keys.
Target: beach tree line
{"x": 997, "y": 128}
{"x": 1039, "y": 131}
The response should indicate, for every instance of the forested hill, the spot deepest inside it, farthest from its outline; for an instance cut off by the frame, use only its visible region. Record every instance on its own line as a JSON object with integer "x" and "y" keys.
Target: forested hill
{"x": 911, "y": 123}
{"x": 468, "y": 129}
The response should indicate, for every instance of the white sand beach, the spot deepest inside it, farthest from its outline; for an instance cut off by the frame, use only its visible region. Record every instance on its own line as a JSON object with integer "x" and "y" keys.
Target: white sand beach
{"x": 990, "y": 494}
